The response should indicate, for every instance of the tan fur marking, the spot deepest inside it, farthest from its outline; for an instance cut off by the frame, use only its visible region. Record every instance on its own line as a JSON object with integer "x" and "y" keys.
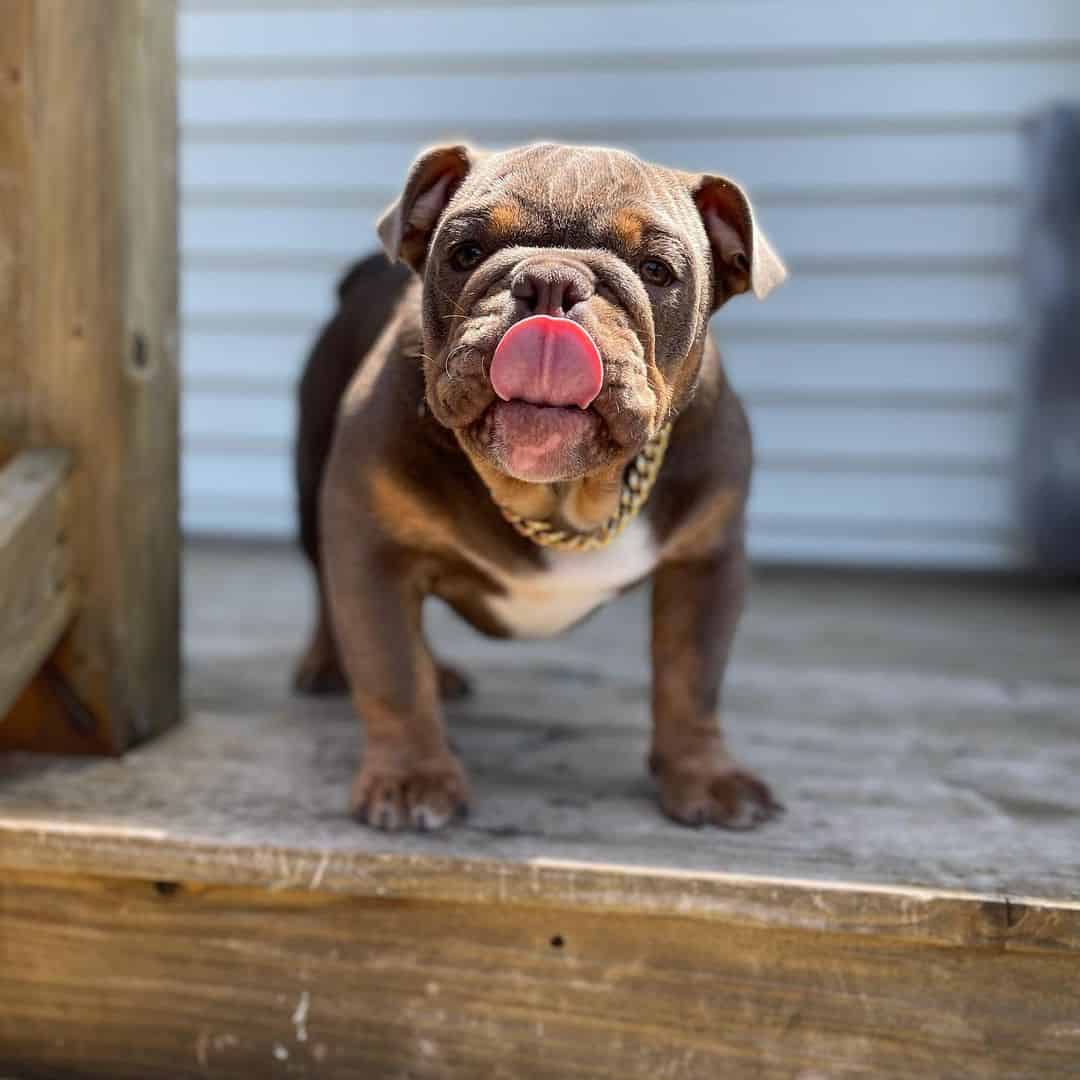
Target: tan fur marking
{"x": 404, "y": 514}
{"x": 506, "y": 219}
{"x": 628, "y": 227}
{"x": 703, "y": 532}
{"x": 526, "y": 500}
{"x": 592, "y": 500}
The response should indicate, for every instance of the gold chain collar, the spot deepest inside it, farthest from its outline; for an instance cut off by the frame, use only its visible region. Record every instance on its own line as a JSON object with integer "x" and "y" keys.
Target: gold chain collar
{"x": 637, "y": 484}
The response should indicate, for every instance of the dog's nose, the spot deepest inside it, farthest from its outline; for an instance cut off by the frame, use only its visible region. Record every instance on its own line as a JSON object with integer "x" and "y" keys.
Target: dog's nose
{"x": 551, "y": 286}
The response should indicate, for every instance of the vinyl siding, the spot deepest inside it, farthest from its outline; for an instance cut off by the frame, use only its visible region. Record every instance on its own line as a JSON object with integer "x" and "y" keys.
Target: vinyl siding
{"x": 882, "y": 145}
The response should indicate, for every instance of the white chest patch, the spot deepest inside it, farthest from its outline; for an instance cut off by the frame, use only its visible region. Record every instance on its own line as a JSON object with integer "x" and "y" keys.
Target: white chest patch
{"x": 574, "y": 583}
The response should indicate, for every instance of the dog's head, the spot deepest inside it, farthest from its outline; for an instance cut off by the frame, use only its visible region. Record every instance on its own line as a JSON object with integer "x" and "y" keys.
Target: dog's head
{"x": 567, "y": 293}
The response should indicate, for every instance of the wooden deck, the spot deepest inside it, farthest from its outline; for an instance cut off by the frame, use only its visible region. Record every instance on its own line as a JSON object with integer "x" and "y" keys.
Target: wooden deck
{"x": 204, "y": 907}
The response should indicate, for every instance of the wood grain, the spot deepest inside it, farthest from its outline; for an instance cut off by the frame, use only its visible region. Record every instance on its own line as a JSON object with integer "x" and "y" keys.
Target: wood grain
{"x": 88, "y": 280}
{"x": 36, "y": 595}
{"x": 198, "y": 906}
{"x": 120, "y": 978}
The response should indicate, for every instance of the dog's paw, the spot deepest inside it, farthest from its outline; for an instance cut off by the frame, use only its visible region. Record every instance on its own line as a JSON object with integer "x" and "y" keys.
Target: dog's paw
{"x": 722, "y": 795}
{"x": 453, "y": 686}
{"x": 425, "y": 796}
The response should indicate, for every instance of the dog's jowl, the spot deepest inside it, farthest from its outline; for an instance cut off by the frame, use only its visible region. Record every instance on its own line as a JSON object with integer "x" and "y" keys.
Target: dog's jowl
{"x": 530, "y": 421}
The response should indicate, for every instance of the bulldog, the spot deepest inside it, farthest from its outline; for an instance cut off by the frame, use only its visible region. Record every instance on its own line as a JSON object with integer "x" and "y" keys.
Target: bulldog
{"x": 529, "y": 419}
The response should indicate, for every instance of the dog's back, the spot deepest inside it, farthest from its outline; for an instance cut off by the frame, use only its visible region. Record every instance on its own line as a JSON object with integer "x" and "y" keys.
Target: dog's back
{"x": 367, "y": 296}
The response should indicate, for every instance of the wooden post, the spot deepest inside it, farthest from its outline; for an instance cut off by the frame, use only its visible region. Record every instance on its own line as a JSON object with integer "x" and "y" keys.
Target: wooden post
{"x": 88, "y": 300}
{"x": 36, "y": 596}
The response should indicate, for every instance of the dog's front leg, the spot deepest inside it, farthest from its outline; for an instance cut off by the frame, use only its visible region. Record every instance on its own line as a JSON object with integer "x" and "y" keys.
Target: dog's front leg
{"x": 409, "y": 776}
{"x": 695, "y": 607}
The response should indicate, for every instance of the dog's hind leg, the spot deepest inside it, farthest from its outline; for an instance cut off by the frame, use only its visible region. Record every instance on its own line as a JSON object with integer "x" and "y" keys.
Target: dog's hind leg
{"x": 367, "y": 295}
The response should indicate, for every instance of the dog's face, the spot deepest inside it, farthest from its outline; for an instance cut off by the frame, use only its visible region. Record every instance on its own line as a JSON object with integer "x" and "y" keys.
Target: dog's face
{"x": 566, "y": 297}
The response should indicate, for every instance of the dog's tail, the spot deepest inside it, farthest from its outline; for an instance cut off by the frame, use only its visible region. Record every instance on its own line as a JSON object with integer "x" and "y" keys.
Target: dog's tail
{"x": 374, "y": 272}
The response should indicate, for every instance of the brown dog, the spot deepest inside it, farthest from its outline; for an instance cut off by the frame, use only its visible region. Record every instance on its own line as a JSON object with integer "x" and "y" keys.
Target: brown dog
{"x": 497, "y": 434}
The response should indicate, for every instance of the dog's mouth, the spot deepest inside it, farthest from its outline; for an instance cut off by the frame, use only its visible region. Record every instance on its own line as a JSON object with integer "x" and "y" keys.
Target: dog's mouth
{"x": 547, "y": 361}
{"x": 546, "y": 372}
{"x": 542, "y": 443}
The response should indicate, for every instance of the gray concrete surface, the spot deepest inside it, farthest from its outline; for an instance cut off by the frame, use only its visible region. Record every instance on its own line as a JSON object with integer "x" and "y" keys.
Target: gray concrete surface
{"x": 919, "y": 732}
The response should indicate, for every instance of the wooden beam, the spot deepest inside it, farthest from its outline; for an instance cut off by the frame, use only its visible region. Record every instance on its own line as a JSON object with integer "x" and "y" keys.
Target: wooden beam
{"x": 88, "y": 295}
{"x": 138, "y": 979}
{"x": 36, "y": 594}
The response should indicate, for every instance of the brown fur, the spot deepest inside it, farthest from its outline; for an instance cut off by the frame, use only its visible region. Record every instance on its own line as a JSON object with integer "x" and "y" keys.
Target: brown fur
{"x": 629, "y": 228}
{"x": 410, "y": 484}
{"x": 506, "y": 219}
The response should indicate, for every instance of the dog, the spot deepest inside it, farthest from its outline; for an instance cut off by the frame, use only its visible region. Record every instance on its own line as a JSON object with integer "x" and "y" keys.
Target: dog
{"x": 524, "y": 414}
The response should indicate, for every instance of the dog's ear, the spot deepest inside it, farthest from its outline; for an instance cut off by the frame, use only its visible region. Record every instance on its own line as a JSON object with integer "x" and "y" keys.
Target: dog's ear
{"x": 406, "y": 225}
{"x": 742, "y": 256}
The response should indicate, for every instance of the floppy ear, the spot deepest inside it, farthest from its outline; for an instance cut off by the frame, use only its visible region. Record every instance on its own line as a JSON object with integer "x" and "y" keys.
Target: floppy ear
{"x": 742, "y": 257}
{"x": 406, "y": 225}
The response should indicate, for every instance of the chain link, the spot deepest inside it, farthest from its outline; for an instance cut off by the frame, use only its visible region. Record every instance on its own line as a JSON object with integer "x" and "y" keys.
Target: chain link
{"x": 637, "y": 485}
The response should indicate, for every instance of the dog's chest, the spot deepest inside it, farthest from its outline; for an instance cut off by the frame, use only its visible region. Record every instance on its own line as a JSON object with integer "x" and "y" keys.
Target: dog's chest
{"x": 572, "y": 584}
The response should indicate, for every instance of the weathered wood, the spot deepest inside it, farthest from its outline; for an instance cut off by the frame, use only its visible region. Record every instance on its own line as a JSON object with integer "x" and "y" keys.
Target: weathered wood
{"x": 920, "y": 733}
{"x": 36, "y": 594}
{"x": 88, "y": 338}
{"x": 118, "y": 978}
{"x": 196, "y": 907}
{"x": 906, "y": 915}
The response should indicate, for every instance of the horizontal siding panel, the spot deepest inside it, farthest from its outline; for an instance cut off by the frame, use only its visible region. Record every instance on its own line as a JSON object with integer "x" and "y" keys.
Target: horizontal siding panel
{"x": 948, "y": 370}
{"x": 917, "y": 500}
{"x": 455, "y": 102}
{"x": 786, "y": 541}
{"x": 920, "y": 500}
{"x": 837, "y": 433}
{"x": 979, "y": 231}
{"x": 270, "y": 363}
{"x": 824, "y": 162}
{"x": 375, "y": 30}
{"x": 955, "y": 300}
{"x": 882, "y": 146}
{"x": 273, "y": 361}
{"x": 880, "y": 433}
{"x": 795, "y": 542}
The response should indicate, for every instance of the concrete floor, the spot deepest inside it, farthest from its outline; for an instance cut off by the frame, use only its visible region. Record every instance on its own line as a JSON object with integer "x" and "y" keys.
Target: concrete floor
{"x": 920, "y": 732}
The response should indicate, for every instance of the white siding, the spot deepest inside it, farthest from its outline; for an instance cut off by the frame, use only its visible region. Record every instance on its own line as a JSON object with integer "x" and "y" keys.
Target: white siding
{"x": 881, "y": 144}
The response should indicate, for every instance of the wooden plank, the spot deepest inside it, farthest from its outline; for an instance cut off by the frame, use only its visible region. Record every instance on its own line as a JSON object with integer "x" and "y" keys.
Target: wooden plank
{"x": 14, "y": 156}
{"x": 90, "y": 211}
{"x": 37, "y": 595}
{"x": 131, "y": 978}
{"x": 367, "y": 31}
{"x": 920, "y": 732}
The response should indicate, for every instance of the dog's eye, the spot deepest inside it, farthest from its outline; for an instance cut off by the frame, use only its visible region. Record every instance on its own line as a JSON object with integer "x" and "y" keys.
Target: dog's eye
{"x": 657, "y": 272}
{"x": 466, "y": 255}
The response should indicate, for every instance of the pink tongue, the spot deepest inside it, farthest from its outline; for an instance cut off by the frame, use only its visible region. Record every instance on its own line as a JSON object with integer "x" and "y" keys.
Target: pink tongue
{"x": 547, "y": 361}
